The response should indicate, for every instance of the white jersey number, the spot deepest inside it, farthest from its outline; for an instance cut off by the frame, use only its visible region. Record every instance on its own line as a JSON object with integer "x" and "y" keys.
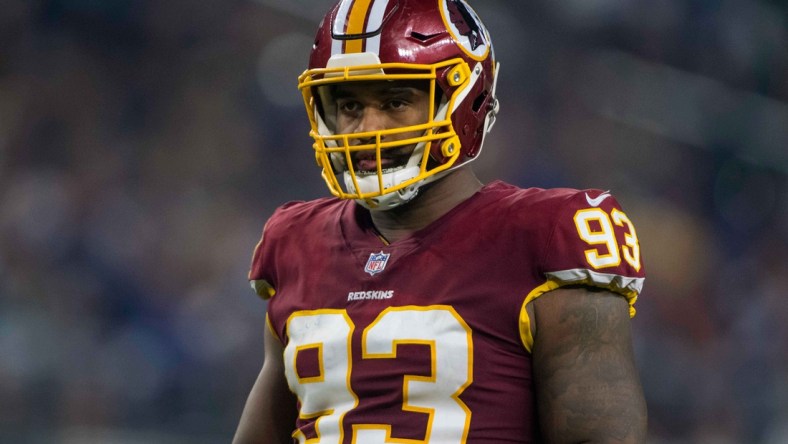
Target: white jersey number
{"x": 326, "y": 394}
{"x": 596, "y": 228}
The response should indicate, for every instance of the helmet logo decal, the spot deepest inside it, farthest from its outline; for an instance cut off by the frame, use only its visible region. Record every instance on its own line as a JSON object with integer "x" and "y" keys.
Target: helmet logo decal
{"x": 356, "y": 27}
{"x": 376, "y": 263}
{"x": 465, "y": 24}
{"x": 466, "y": 28}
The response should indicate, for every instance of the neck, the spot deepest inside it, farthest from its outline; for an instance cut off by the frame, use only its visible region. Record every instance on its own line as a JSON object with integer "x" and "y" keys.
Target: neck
{"x": 432, "y": 202}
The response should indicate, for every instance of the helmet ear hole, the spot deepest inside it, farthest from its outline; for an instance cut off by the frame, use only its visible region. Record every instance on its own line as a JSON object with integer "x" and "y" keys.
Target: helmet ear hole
{"x": 477, "y": 104}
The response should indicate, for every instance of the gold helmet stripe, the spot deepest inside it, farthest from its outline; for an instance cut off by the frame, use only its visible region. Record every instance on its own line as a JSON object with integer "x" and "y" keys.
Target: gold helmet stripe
{"x": 356, "y": 25}
{"x": 358, "y": 17}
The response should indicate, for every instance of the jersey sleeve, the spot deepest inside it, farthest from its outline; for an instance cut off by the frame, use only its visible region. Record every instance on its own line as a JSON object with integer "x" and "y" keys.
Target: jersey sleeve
{"x": 594, "y": 243}
{"x": 263, "y": 270}
{"x": 257, "y": 273}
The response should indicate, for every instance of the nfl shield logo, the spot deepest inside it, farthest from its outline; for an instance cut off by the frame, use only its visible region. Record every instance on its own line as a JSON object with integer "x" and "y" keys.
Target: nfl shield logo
{"x": 376, "y": 263}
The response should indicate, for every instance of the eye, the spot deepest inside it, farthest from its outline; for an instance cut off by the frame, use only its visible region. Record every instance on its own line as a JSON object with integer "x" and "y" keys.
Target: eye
{"x": 348, "y": 106}
{"x": 396, "y": 104}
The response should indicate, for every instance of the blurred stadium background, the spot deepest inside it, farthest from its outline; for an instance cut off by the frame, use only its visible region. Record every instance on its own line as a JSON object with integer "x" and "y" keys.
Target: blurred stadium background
{"x": 143, "y": 144}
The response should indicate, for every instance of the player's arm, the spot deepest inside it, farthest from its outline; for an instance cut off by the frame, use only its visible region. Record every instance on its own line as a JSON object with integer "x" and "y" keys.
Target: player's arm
{"x": 270, "y": 412}
{"x": 587, "y": 386}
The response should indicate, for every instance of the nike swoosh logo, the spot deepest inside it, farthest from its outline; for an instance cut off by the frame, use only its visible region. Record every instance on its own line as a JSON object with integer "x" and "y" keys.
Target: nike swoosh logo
{"x": 597, "y": 200}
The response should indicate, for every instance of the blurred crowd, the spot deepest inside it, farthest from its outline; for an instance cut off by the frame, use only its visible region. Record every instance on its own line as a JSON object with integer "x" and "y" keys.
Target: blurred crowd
{"x": 144, "y": 143}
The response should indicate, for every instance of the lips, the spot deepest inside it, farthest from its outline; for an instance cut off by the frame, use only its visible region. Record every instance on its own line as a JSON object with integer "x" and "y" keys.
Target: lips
{"x": 368, "y": 165}
{"x": 366, "y": 162}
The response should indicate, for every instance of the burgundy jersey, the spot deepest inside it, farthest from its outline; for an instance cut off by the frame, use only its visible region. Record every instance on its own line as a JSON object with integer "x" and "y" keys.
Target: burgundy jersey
{"x": 427, "y": 339}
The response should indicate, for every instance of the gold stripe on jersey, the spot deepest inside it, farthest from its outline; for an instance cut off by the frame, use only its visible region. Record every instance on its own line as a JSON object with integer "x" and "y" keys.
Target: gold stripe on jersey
{"x": 526, "y": 335}
{"x": 263, "y": 288}
{"x": 271, "y": 327}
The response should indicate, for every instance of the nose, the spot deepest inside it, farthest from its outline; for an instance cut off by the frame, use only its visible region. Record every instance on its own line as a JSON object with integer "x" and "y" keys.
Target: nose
{"x": 372, "y": 119}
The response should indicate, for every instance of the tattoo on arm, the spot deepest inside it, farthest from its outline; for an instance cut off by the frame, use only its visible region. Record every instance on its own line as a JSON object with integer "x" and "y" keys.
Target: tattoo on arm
{"x": 586, "y": 380}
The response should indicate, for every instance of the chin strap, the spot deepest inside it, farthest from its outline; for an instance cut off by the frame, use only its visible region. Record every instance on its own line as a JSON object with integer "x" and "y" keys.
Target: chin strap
{"x": 397, "y": 198}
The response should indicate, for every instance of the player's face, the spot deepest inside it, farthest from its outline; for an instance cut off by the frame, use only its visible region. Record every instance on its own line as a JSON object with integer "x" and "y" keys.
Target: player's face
{"x": 374, "y": 106}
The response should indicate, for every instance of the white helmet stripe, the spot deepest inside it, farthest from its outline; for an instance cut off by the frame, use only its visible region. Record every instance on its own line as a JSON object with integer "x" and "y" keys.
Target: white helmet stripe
{"x": 374, "y": 23}
{"x": 338, "y": 28}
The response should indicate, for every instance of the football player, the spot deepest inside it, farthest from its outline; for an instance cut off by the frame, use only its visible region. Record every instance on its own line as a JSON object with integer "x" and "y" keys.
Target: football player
{"x": 418, "y": 305}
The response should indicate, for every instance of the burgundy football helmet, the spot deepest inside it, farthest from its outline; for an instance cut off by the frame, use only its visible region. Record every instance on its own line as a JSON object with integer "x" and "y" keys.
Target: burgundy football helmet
{"x": 440, "y": 42}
